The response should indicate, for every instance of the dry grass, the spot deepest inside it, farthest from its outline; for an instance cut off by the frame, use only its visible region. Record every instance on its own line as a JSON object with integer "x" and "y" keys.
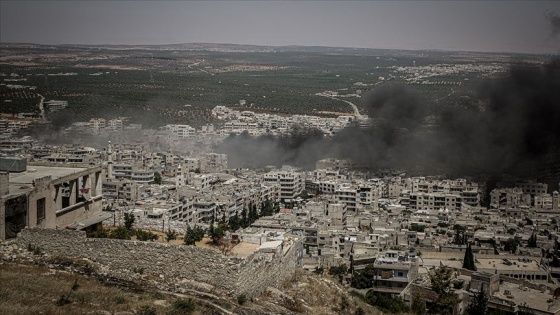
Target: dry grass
{"x": 30, "y": 289}
{"x": 322, "y": 295}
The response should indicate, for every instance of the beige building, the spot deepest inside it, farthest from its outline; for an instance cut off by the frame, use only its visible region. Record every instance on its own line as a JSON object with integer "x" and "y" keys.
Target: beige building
{"x": 50, "y": 197}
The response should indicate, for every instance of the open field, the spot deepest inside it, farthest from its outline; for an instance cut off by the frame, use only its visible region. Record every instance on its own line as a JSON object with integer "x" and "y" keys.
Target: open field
{"x": 33, "y": 289}
{"x": 155, "y": 85}
{"x": 28, "y": 289}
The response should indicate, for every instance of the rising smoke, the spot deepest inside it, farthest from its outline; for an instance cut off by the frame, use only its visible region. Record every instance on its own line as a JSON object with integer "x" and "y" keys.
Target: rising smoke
{"x": 515, "y": 129}
{"x": 553, "y": 19}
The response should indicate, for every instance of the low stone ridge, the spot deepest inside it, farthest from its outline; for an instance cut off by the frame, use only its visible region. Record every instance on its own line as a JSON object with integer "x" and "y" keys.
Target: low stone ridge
{"x": 171, "y": 265}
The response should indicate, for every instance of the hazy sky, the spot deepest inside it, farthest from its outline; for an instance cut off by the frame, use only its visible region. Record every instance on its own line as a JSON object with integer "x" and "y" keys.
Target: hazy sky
{"x": 518, "y": 26}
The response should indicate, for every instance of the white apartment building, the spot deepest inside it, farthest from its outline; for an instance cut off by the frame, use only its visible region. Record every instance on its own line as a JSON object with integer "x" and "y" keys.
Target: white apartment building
{"x": 128, "y": 171}
{"x": 532, "y": 188}
{"x": 142, "y": 176}
{"x": 355, "y": 197}
{"x": 180, "y": 131}
{"x": 115, "y": 124}
{"x": 291, "y": 183}
{"x": 509, "y": 197}
{"x": 187, "y": 178}
{"x": 213, "y": 163}
{"x": 435, "y": 201}
{"x": 97, "y": 123}
{"x": 54, "y": 105}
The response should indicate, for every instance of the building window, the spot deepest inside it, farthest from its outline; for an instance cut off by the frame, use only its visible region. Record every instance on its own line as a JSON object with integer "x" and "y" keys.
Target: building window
{"x": 40, "y": 210}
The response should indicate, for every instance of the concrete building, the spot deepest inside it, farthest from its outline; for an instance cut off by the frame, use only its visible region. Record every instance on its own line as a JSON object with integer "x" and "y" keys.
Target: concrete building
{"x": 213, "y": 163}
{"x": 115, "y": 124}
{"x": 180, "y": 131}
{"x": 54, "y": 106}
{"x": 50, "y": 197}
{"x": 509, "y": 197}
{"x": 435, "y": 201}
{"x": 97, "y": 123}
{"x": 290, "y": 183}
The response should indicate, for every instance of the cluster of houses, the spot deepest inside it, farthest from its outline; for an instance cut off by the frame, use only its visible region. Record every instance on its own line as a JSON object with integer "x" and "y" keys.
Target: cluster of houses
{"x": 400, "y": 226}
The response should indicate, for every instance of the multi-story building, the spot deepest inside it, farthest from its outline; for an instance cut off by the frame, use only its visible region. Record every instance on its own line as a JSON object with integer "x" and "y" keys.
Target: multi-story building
{"x": 97, "y": 123}
{"x": 115, "y": 124}
{"x": 53, "y": 105}
{"x": 205, "y": 211}
{"x": 50, "y": 197}
{"x": 124, "y": 189}
{"x": 180, "y": 131}
{"x": 213, "y": 163}
{"x": 290, "y": 183}
{"x": 393, "y": 272}
{"x": 435, "y": 201}
{"x": 532, "y": 187}
{"x": 509, "y": 197}
{"x": 142, "y": 176}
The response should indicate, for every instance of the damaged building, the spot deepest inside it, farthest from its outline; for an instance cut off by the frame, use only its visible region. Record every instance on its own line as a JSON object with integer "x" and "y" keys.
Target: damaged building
{"x": 50, "y": 197}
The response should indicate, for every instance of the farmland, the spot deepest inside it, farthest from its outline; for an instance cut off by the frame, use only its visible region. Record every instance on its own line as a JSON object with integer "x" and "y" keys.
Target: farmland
{"x": 154, "y": 85}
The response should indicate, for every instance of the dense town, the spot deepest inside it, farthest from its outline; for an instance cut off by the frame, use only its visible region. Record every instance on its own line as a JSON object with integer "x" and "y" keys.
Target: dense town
{"x": 387, "y": 232}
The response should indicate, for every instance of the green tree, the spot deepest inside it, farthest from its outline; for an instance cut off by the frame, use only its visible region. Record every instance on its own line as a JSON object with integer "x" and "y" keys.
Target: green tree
{"x": 234, "y": 223}
{"x": 253, "y": 214}
{"x": 244, "y": 221}
{"x": 121, "y": 233}
{"x": 100, "y": 233}
{"x": 478, "y": 304}
{"x": 532, "y": 243}
{"x": 460, "y": 237}
{"x": 418, "y": 306}
{"x": 193, "y": 235}
{"x": 267, "y": 208}
{"x": 468, "y": 260}
{"x": 182, "y": 307}
{"x": 339, "y": 271}
{"x": 386, "y": 303}
{"x": 142, "y": 235}
{"x": 364, "y": 279}
{"x": 157, "y": 178}
{"x": 441, "y": 282}
{"x": 304, "y": 194}
{"x": 128, "y": 221}
{"x": 170, "y": 235}
{"x": 216, "y": 234}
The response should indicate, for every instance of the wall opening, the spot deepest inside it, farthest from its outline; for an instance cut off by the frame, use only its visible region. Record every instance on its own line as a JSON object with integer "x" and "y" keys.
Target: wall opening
{"x": 40, "y": 210}
{"x": 16, "y": 216}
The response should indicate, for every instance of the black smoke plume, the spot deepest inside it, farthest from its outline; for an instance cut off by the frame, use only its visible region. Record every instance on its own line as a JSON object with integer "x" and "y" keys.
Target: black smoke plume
{"x": 553, "y": 19}
{"x": 515, "y": 129}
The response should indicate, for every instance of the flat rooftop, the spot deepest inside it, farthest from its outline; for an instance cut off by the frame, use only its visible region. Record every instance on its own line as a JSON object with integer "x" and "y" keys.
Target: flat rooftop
{"x": 270, "y": 245}
{"x": 244, "y": 249}
{"x": 535, "y": 298}
{"x": 493, "y": 264}
{"x": 34, "y": 172}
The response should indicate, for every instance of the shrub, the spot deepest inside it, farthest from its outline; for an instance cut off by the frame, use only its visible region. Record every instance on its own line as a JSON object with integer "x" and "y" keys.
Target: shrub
{"x": 182, "y": 307}
{"x": 241, "y": 299}
{"x": 142, "y": 235}
{"x": 62, "y": 300}
{"x": 120, "y": 233}
{"x": 146, "y": 310}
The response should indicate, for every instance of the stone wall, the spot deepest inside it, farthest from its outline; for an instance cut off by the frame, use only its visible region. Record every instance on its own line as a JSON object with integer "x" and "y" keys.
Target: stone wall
{"x": 262, "y": 270}
{"x": 182, "y": 266}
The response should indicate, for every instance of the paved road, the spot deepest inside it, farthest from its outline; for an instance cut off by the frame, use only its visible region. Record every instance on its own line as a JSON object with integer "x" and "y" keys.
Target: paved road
{"x": 357, "y": 114}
